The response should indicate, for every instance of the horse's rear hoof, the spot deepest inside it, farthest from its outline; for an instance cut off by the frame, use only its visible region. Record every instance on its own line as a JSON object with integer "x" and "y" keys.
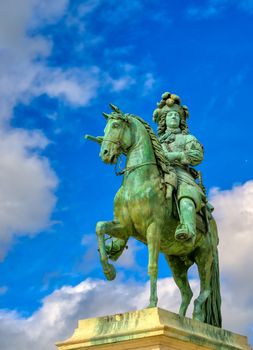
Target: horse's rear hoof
{"x": 198, "y": 316}
{"x": 152, "y": 304}
{"x": 110, "y": 272}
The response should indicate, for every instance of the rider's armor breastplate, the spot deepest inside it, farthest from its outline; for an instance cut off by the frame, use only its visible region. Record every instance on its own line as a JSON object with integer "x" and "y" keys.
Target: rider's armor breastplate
{"x": 187, "y": 186}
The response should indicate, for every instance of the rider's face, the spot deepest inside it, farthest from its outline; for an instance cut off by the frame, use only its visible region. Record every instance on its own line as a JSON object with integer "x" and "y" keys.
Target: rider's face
{"x": 172, "y": 119}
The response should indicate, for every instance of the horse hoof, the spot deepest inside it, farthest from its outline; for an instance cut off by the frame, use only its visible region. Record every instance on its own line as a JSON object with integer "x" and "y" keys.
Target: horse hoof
{"x": 152, "y": 304}
{"x": 110, "y": 272}
{"x": 198, "y": 317}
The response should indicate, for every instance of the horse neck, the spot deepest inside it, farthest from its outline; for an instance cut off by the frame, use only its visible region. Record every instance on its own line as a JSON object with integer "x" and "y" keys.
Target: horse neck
{"x": 141, "y": 152}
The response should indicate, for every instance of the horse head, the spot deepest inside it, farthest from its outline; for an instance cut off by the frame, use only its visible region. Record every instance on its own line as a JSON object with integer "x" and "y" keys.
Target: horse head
{"x": 117, "y": 136}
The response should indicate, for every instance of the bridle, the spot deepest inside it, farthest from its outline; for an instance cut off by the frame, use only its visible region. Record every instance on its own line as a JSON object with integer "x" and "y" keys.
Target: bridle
{"x": 118, "y": 170}
{"x": 134, "y": 167}
{"x": 120, "y": 135}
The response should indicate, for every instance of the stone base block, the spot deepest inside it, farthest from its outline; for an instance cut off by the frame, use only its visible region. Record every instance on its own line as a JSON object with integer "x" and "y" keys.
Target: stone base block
{"x": 151, "y": 329}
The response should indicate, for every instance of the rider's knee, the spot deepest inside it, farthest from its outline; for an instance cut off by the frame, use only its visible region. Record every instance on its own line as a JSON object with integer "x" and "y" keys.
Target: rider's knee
{"x": 187, "y": 204}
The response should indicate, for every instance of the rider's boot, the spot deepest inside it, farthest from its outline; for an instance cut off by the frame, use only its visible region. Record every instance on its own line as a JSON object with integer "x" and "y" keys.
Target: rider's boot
{"x": 186, "y": 230}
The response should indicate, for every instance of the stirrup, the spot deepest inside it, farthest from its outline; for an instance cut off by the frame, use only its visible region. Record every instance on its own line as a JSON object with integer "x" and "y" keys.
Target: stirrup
{"x": 183, "y": 233}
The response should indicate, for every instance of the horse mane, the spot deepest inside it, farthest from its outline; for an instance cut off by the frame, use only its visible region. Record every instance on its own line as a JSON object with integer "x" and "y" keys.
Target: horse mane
{"x": 162, "y": 162}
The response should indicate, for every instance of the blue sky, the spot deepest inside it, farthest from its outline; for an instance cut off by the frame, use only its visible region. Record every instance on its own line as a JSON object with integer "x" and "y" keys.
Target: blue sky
{"x": 61, "y": 63}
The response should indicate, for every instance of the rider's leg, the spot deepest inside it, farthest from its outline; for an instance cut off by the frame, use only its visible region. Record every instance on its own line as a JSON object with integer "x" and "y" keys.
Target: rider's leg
{"x": 187, "y": 227}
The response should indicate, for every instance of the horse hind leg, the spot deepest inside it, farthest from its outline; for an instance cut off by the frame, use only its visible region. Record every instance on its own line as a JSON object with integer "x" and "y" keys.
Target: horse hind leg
{"x": 204, "y": 260}
{"x": 179, "y": 268}
{"x": 153, "y": 242}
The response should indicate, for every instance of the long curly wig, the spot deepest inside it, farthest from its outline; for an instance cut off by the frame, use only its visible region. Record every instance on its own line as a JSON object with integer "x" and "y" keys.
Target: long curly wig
{"x": 170, "y": 102}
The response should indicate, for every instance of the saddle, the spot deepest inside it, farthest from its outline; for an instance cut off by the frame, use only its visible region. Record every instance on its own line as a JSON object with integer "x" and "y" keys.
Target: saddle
{"x": 204, "y": 215}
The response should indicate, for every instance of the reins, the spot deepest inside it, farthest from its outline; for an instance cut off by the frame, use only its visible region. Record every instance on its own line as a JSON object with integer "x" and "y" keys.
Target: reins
{"x": 132, "y": 168}
{"x": 117, "y": 169}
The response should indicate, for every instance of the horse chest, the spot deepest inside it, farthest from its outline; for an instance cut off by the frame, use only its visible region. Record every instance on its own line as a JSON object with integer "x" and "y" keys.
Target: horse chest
{"x": 135, "y": 209}
{"x": 140, "y": 197}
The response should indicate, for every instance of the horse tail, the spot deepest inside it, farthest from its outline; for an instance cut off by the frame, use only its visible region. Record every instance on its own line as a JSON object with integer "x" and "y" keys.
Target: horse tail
{"x": 212, "y": 306}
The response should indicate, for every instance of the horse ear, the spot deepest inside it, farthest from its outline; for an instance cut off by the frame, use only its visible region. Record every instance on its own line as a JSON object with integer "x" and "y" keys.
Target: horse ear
{"x": 106, "y": 115}
{"x": 114, "y": 108}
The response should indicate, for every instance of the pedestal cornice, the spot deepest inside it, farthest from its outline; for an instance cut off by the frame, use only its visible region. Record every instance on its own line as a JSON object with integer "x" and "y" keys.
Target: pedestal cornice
{"x": 153, "y": 328}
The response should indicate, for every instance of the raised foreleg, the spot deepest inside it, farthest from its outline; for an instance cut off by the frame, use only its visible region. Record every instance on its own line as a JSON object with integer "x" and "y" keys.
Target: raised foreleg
{"x": 179, "y": 267}
{"x": 111, "y": 228}
{"x": 153, "y": 242}
{"x": 115, "y": 248}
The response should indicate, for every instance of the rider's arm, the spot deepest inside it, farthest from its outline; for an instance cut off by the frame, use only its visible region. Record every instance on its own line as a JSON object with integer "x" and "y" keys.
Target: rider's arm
{"x": 194, "y": 152}
{"x": 171, "y": 156}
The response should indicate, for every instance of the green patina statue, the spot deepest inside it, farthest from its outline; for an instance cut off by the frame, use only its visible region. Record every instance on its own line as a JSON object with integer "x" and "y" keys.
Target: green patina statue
{"x": 181, "y": 149}
{"x": 162, "y": 203}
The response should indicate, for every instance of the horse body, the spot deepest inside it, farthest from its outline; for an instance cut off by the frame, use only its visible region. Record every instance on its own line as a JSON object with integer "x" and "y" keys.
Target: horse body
{"x": 141, "y": 210}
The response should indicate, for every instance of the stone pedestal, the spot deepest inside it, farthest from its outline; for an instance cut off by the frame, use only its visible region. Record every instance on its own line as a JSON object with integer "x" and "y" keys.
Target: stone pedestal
{"x": 148, "y": 329}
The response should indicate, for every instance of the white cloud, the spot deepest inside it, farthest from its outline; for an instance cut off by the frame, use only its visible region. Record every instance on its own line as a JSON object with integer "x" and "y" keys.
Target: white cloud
{"x": 128, "y": 76}
{"x": 78, "y": 87}
{"x": 24, "y": 75}
{"x": 48, "y": 11}
{"x": 58, "y": 315}
{"x": 27, "y": 185}
{"x": 27, "y": 181}
{"x": 57, "y": 318}
{"x": 23, "y": 67}
{"x": 18, "y": 16}
{"x": 121, "y": 83}
{"x": 128, "y": 259}
{"x": 234, "y": 214}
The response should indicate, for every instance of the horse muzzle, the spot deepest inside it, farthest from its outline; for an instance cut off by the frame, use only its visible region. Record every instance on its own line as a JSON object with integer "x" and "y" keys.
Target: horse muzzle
{"x": 108, "y": 157}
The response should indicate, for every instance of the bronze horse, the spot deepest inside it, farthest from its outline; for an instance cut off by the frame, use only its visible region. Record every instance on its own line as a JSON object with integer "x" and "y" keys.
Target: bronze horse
{"x": 142, "y": 211}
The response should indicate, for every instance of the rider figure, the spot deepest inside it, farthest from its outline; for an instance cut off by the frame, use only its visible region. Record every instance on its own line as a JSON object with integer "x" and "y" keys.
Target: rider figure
{"x": 183, "y": 151}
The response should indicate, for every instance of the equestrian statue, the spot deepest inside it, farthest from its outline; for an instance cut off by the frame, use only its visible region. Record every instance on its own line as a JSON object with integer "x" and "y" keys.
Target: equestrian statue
{"x": 162, "y": 203}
